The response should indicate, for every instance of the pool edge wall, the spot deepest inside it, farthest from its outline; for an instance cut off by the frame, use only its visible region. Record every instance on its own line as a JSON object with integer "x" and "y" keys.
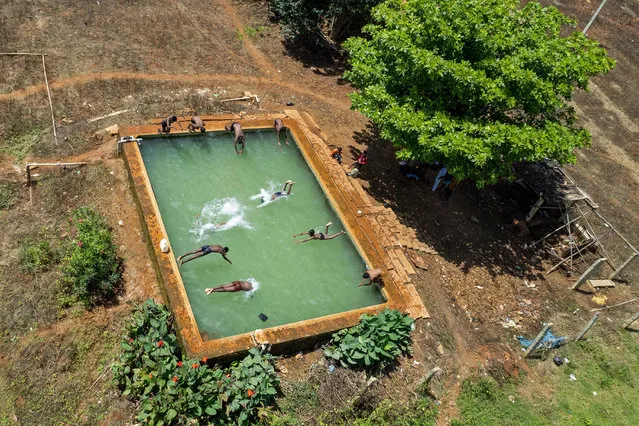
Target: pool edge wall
{"x": 346, "y": 201}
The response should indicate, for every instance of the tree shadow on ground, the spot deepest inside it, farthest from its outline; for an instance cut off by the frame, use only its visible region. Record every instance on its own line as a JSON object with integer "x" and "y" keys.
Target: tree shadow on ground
{"x": 324, "y": 61}
{"x": 473, "y": 228}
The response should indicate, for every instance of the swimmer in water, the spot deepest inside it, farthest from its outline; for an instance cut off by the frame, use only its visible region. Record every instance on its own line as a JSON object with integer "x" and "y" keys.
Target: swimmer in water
{"x": 239, "y": 136}
{"x": 231, "y": 287}
{"x": 279, "y": 126}
{"x": 283, "y": 192}
{"x": 203, "y": 251}
{"x": 318, "y": 235}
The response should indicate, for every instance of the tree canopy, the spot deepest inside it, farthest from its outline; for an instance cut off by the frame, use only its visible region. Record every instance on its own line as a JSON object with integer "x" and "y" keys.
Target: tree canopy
{"x": 474, "y": 84}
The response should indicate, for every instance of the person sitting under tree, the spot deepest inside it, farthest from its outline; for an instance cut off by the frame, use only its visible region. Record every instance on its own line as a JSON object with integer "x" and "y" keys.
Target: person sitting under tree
{"x": 371, "y": 276}
{"x": 203, "y": 251}
{"x": 318, "y": 235}
{"x": 283, "y": 192}
{"x": 196, "y": 123}
{"x": 231, "y": 287}
{"x": 279, "y": 126}
{"x": 357, "y": 165}
{"x": 167, "y": 124}
{"x": 337, "y": 154}
{"x": 239, "y": 136}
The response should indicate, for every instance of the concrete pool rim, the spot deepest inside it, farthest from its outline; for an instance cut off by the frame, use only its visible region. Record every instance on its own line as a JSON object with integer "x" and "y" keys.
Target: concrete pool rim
{"x": 346, "y": 203}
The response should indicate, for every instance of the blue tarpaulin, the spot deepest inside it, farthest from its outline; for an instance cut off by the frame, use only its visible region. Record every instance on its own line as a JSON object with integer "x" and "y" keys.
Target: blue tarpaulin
{"x": 549, "y": 341}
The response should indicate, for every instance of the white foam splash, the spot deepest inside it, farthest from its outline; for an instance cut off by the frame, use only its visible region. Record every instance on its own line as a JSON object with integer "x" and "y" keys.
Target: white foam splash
{"x": 265, "y": 194}
{"x": 219, "y": 215}
{"x": 256, "y": 286}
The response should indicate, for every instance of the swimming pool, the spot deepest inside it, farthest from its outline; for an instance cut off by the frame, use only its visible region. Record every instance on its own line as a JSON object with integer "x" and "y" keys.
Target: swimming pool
{"x": 207, "y": 194}
{"x": 185, "y": 194}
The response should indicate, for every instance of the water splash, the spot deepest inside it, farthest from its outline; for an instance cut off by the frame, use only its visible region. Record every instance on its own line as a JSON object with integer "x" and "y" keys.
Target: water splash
{"x": 219, "y": 215}
{"x": 265, "y": 194}
{"x": 256, "y": 286}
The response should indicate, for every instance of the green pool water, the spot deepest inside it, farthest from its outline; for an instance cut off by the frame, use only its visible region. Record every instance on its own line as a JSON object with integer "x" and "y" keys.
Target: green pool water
{"x": 199, "y": 182}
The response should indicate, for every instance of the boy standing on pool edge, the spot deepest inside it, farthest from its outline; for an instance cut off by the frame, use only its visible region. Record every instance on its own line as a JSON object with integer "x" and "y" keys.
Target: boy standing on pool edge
{"x": 239, "y": 135}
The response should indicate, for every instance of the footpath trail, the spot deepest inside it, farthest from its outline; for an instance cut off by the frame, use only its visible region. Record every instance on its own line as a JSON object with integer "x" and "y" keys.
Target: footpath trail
{"x": 80, "y": 79}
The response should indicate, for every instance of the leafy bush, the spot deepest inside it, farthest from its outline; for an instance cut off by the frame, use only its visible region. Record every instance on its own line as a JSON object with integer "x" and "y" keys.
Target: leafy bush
{"x": 92, "y": 269}
{"x": 172, "y": 390}
{"x": 376, "y": 341}
{"x": 36, "y": 257}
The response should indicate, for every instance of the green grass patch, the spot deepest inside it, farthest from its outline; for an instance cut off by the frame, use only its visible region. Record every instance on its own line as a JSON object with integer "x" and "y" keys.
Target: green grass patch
{"x": 253, "y": 32}
{"x": 421, "y": 412}
{"x": 483, "y": 402}
{"x": 19, "y": 145}
{"x": 301, "y": 397}
{"x": 604, "y": 393}
{"x": 8, "y": 195}
{"x": 608, "y": 368}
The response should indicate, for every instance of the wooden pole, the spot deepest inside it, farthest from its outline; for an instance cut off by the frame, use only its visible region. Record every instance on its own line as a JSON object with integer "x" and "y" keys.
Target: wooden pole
{"x": 22, "y": 54}
{"x": 585, "y": 31}
{"x": 616, "y": 232}
{"x": 614, "y": 306}
{"x": 594, "y": 234}
{"x": 587, "y": 327}
{"x": 566, "y": 259}
{"x": 46, "y": 81}
{"x": 623, "y": 266}
{"x": 558, "y": 229}
{"x": 535, "y": 342}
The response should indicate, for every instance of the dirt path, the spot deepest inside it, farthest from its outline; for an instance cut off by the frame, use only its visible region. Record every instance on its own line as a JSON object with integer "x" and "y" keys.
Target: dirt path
{"x": 61, "y": 83}
{"x": 260, "y": 59}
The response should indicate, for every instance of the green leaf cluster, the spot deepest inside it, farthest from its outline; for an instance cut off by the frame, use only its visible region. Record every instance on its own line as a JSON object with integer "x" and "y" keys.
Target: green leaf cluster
{"x": 92, "y": 270}
{"x": 375, "y": 342}
{"x": 473, "y": 84}
{"x": 174, "y": 390}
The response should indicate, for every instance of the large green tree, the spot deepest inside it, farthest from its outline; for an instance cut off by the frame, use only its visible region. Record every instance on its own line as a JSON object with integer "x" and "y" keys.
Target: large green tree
{"x": 473, "y": 84}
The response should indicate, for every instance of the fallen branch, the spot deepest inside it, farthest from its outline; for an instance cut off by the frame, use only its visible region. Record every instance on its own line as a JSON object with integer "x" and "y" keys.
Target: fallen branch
{"x": 614, "y": 306}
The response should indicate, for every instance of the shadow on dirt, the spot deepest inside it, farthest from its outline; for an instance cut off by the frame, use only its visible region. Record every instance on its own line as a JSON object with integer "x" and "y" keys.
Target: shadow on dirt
{"x": 324, "y": 61}
{"x": 473, "y": 228}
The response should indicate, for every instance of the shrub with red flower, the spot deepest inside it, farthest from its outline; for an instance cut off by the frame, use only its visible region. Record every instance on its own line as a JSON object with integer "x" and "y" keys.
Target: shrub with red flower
{"x": 195, "y": 365}
{"x": 175, "y": 379}
{"x": 179, "y": 363}
{"x": 160, "y": 344}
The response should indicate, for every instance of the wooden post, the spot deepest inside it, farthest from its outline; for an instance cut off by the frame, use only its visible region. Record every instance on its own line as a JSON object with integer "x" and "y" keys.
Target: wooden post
{"x": 535, "y": 342}
{"x": 587, "y": 327}
{"x": 28, "y": 174}
{"x": 623, "y": 266}
{"x": 588, "y": 272}
{"x": 46, "y": 81}
{"x": 616, "y": 232}
{"x": 632, "y": 319}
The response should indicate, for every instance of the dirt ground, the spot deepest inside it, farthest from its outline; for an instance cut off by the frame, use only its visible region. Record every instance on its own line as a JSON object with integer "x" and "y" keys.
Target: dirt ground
{"x": 182, "y": 59}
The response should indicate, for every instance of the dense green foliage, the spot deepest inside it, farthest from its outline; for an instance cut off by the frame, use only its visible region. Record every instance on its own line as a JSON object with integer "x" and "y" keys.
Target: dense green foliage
{"x": 174, "y": 390}
{"x": 92, "y": 270}
{"x": 322, "y": 22}
{"x": 375, "y": 342}
{"x": 473, "y": 84}
{"x": 36, "y": 257}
